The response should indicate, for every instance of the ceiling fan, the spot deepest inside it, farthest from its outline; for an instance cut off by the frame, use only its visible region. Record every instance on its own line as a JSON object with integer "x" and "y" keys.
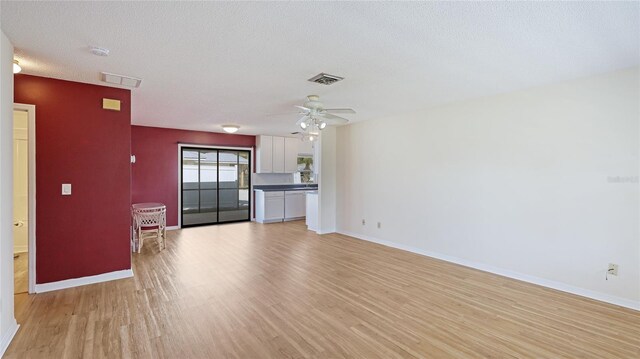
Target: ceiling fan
{"x": 315, "y": 117}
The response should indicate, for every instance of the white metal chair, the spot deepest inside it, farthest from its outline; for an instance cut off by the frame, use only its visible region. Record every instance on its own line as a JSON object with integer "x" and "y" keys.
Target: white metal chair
{"x": 149, "y": 220}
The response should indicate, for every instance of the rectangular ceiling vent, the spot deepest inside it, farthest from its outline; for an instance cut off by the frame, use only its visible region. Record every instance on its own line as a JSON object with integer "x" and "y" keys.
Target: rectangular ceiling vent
{"x": 120, "y": 79}
{"x": 325, "y": 79}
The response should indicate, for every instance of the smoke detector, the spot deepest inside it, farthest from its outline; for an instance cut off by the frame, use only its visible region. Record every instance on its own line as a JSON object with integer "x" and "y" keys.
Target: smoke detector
{"x": 99, "y": 51}
{"x": 120, "y": 79}
{"x": 325, "y": 79}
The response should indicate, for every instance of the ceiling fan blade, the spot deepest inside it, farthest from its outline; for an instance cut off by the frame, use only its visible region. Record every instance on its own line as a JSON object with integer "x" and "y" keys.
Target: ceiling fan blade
{"x": 306, "y": 110}
{"x": 333, "y": 119}
{"x": 340, "y": 110}
{"x": 283, "y": 114}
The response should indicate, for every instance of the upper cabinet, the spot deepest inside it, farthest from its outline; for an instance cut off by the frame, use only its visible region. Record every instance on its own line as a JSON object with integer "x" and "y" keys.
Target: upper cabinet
{"x": 264, "y": 156}
{"x": 291, "y": 154}
{"x": 276, "y": 154}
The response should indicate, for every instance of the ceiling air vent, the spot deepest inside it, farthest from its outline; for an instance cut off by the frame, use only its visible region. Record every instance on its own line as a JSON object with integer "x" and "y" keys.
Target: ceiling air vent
{"x": 325, "y": 79}
{"x": 120, "y": 79}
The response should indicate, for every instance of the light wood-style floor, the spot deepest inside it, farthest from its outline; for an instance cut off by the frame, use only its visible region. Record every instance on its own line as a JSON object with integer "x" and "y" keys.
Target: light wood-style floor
{"x": 21, "y": 273}
{"x": 248, "y": 290}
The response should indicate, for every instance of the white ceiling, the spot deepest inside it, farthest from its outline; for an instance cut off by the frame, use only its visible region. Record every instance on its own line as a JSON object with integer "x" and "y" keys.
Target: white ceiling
{"x": 206, "y": 64}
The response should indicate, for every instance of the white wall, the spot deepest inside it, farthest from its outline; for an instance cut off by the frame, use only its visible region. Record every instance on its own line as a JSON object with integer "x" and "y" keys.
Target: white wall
{"x": 8, "y": 324}
{"x": 327, "y": 162}
{"x": 540, "y": 184}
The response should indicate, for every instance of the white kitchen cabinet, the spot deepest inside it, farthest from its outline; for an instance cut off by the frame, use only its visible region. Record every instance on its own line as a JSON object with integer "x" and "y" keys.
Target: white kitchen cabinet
{"x": 264, "y": 154}
{"x": 278, "y": 206}
{"x": 270, "y": 206}
{"x": 275, "y": 154}
{"x": 278, "y": 154}
{"x": 294, "y": 205}
{"x": 291, "y": 154}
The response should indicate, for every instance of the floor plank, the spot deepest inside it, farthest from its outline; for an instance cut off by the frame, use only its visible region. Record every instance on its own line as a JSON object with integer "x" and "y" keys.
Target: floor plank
{"x": 247, "y": 290}
{"x": 20, "y": 272}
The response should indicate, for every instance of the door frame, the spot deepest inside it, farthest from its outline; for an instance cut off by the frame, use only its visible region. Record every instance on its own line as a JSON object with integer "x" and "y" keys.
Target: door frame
{"x": 213, "y": 147}
{"x": 31, "y": 230}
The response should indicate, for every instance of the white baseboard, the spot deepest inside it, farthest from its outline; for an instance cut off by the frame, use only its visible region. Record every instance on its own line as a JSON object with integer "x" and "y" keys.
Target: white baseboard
{"x": 7, "y": 337}
{"x": 20, "y": 249}
{"x": 76, "y": 282}
{"x": 329, "y": 231}
{"x": 172, "y": 228}
{"x": 603, "y": 297}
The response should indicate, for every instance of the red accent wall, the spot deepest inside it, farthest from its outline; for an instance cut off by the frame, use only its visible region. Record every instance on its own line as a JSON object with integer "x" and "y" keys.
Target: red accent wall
{"x": 78, "y": 142}
{"x": 155, "y": 173}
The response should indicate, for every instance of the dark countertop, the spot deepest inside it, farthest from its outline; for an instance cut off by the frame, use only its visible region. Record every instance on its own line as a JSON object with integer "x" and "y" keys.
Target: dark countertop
{"x": 286, "y": 187}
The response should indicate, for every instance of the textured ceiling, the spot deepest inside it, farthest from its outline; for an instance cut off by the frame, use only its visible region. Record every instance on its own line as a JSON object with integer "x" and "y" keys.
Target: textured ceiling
{"x": 206, "y": 64}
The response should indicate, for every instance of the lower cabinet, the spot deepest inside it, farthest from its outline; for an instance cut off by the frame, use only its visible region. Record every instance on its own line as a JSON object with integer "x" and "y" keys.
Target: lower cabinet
{"x": 278, "y": 206}
{"x": 294, "y": 205}
{"x": 269, "y": 206}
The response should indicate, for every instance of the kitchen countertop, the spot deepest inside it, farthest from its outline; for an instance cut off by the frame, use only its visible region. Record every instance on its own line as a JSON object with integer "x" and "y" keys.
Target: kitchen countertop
{"x": 286, "y": 187}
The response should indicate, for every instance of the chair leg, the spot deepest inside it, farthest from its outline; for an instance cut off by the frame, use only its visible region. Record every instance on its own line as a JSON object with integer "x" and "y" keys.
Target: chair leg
{"x": 140, "y": 240}
{"x": 136, "y": 240}
{"x": 164, "y": 237}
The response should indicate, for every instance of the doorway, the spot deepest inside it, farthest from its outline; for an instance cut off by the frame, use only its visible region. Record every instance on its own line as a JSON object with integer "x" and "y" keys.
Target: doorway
{"x": 215, "y": 185}
{"x": 24, "y": 198}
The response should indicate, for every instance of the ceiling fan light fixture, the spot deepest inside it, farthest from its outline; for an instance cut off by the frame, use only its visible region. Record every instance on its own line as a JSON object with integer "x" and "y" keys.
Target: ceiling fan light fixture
{"x": 322, "y": 125}
{"x": 303, "y": 125}
{"x": 309, "y": 138}
{"x": 16, "y": 67}
{"x": 230, "y": 128}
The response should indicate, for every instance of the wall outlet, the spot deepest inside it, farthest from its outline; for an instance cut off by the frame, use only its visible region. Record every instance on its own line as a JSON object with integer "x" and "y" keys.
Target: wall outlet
{"x": 363, "y": 222}
{"x": 379, "y": 225}
{"x": 613, "y": 269}
{"x": 66, "y": 189}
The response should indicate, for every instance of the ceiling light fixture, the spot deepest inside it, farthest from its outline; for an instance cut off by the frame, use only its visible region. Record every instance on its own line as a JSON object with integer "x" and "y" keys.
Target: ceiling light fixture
{"x": 99, "y": 51}
{"x": 311, "y": 126}
{"x": 230, "y": 128}
{"x": 16, "y": 67}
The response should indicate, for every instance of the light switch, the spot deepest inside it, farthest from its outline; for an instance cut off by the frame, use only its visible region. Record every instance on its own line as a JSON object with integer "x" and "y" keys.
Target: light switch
{"x": 66, "y": 189}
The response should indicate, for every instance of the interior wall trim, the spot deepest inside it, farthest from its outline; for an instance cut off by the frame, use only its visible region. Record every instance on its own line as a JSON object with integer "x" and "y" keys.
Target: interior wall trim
{"x": 77, "y": 282}
{"x": 602, "y": 297}
{"x": 7, "y": 337}
{"x": 31, "y": 216}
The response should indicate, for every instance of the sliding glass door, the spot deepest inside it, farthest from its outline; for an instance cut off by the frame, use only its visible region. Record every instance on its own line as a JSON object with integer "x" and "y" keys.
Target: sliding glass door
{"x": 215, "y": 186}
